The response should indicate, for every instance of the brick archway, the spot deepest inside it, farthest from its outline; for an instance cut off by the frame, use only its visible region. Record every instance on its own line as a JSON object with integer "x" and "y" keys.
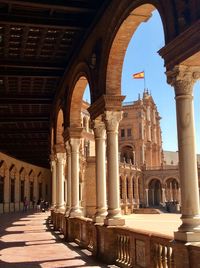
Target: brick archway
{"x": 120, "y": 44}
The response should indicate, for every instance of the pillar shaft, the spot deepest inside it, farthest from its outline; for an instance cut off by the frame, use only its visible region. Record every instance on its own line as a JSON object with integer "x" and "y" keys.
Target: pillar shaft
{"x": 147, "y": 197}
{"x": 183, "y": 78}
{"x": 112, "y": 120}
{"x": 60, "y": 180}
{"x": 68, "y": 149}
{"x": 75, "y": 207}
{"x": 99, "y": 133}
{"x": 53, "y": 171}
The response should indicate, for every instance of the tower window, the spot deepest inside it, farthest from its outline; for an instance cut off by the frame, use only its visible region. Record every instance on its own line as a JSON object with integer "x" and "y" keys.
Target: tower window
{"x": 129, "y": 132}
{"x": 122, "y": 133}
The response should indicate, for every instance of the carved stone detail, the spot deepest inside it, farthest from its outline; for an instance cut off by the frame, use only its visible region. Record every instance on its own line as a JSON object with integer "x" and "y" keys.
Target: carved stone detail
{"x": 99, "y": 128}
{"x": 182, "y": 78}
{"x": 112, "y": 119}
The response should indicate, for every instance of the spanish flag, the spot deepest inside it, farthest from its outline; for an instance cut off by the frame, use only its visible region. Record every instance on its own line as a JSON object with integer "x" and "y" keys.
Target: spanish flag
{"x": 139, "y": 75}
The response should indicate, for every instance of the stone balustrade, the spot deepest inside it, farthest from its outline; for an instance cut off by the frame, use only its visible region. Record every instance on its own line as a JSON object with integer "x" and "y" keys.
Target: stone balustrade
{"x": 126, "y": 247}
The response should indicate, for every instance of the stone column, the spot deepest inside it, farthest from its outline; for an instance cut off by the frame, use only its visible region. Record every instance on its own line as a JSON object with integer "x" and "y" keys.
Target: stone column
{"x": 112, "y": 120}
{"x": 61, "y": 160}
{"x": 163, "y": 196}
{"x": 183, "y": 78}
{"x": 136, "y": 191}
{"x": 147, "y": 197}
{"x": 171, "y": 191}
{"x": 7, "y": 190}
{"x": 75, "y": 207}
{"x": 153, "y": 197}
{"x": 53, "y": 175}
{"x": 68, "y": 201}
{"x": 100, "y": 152}
{"x": 35, "y": 189}
{"x": 17, "y": 197}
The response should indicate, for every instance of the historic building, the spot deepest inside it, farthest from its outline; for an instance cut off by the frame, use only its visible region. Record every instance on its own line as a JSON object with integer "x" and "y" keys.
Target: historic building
{"x": 20, "y": 180}
{"x": 49, "y": 52}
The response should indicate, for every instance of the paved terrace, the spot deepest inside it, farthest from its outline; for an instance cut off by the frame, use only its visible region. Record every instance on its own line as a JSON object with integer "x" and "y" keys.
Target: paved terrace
{"x": 27, "y": 240}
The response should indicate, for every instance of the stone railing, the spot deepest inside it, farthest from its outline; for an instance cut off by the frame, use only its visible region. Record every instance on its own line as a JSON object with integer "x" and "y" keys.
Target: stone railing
{"x": 127, "y": 247}
{"x": 82, "y": 231}
{"x": 140, "y": 249}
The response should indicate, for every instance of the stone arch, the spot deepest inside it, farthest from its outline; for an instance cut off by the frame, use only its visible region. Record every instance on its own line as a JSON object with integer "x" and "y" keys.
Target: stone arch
{"x": 76, "y": 102}
{"x": 130, "y": 20}
{"x": 80, "y": 77}
{"x": 3, "y": 168}
{"x": 149, "y": 179}
{"x": 59, "y": 127}
{"x": 172, "y": 189}
{"x": 23, "y": 180}
{"x": 13, "y": 171}
{"x": 127, "y": 153}
{"x": 155, "y": 192}
{"x": 171, "y": 177}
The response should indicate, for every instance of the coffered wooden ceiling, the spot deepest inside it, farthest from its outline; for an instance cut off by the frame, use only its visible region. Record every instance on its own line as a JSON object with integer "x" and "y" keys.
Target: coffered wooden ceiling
{"x": 37, "y": 40}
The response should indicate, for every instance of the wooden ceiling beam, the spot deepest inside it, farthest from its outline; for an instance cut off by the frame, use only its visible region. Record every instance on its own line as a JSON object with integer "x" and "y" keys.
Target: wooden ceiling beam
{"x": 31, "y": 118}
{"x": 58, "y": 6}
{"x": 25, "y": 100}
{"x": 48, "y": 23}
{"x": 23, "y": 131}
{"x": 33, "y": 65}
{"x": 30, "y": 73}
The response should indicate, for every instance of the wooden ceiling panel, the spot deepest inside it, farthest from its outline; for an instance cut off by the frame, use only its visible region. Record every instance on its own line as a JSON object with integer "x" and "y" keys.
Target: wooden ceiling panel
{"x": 37, "y": 40}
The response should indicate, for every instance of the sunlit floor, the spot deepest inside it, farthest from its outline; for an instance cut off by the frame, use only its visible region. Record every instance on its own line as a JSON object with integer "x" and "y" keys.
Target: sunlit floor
{"x": 165, "y": 223}
{"x": 26, "y": 241}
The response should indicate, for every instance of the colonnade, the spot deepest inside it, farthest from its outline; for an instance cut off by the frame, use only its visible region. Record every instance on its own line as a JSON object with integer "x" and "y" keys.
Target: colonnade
{"x": 108, "y": 208}
{"x": 105, "y": 128}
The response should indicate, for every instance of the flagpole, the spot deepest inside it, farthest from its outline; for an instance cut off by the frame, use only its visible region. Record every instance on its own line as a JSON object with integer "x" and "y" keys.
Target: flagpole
{"x": 144, "y": 81}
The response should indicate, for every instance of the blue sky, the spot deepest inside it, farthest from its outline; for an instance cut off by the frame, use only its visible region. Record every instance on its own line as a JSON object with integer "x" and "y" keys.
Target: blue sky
{"x": 142, "y": 55}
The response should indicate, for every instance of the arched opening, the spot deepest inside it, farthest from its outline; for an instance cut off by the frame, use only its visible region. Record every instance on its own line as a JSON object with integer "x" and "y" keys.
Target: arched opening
{"x": 134, "y": 49}
{"x": 60, "y": 128}
{"x": 155, "y": 192}
{"x": 127, "y": 154}
{"x": 172, "y": 190}
{"x": 12, "y": 178}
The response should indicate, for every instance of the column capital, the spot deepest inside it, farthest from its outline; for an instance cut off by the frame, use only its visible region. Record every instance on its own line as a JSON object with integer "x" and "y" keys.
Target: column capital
{"x": 112, "y": 119}
{"x": 182, "y": 78}
{"x": 99, "y": 127}
{"x": 75, "y": 144}
{"x": 61, "y": 157}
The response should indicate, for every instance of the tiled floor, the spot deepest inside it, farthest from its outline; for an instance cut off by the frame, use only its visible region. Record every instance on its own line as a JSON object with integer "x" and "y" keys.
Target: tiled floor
{"x": 26, "y": 241}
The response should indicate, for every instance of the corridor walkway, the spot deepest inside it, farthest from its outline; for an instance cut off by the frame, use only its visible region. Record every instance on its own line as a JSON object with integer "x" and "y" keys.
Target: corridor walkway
{"x": 26, "y": 241}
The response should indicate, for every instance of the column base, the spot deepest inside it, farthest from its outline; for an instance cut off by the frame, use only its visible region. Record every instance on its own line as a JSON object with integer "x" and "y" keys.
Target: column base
{"x": 187, "y": 236}
{"x": 60, "y": 209}
{"x": 75, "y": 213}
{"x": 6, "y": 207}
{"x": 99, "y": 219}
{"x": 114, "y": 222}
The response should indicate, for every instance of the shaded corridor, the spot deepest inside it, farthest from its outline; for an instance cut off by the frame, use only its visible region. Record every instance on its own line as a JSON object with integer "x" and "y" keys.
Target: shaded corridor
{"x": 26, "y": 240}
